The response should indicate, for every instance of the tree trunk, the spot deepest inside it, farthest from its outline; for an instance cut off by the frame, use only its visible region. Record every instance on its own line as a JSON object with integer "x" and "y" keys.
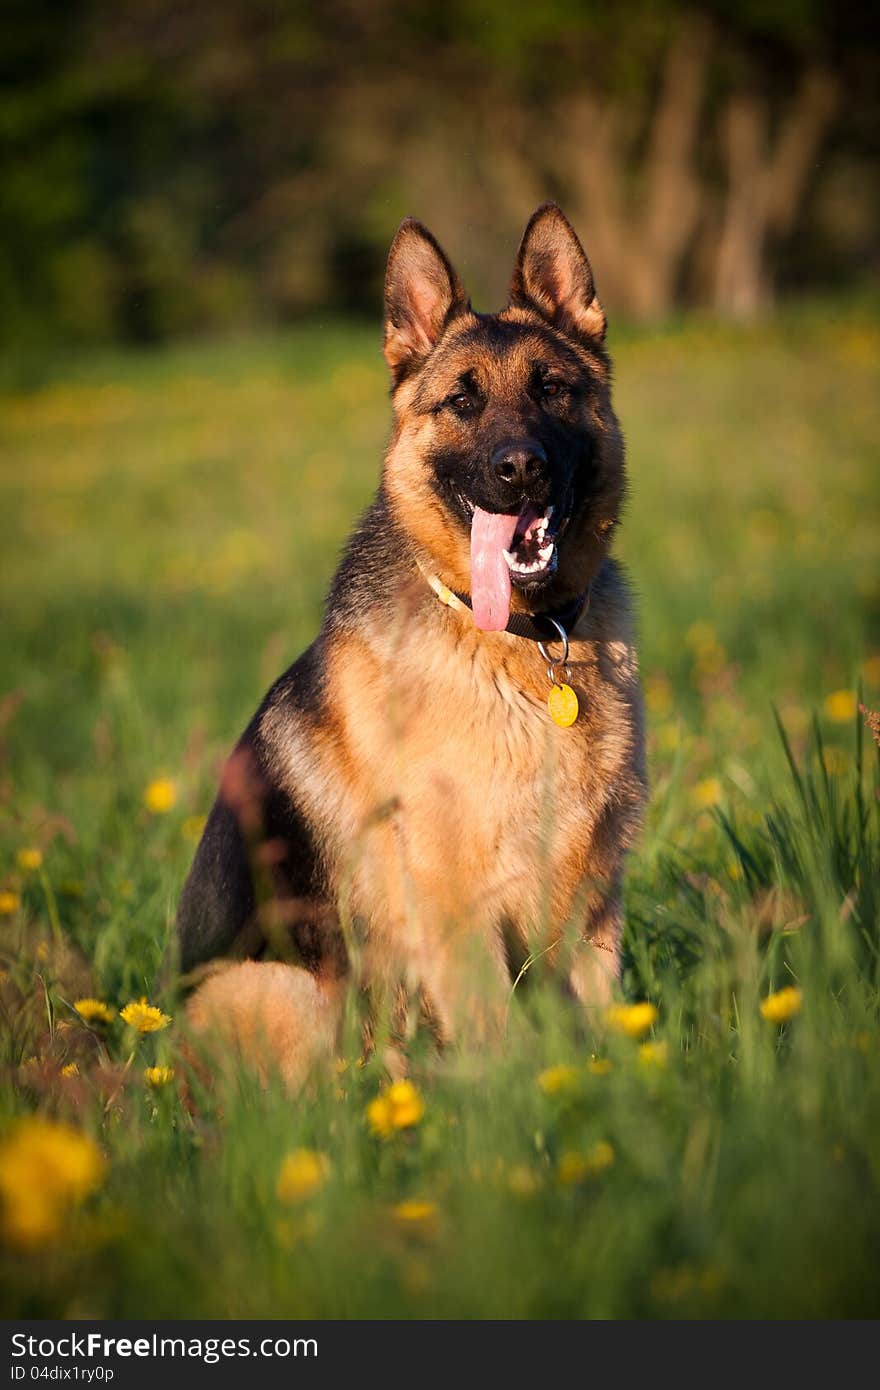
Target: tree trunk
{"x": 766, "y": 180}
{"x": 639, "y": 223}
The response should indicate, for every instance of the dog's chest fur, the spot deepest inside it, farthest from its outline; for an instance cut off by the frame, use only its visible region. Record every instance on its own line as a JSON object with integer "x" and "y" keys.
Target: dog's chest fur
{"x": 441, "y": 785}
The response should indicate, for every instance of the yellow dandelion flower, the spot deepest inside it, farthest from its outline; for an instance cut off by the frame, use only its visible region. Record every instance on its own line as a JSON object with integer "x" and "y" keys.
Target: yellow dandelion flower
{"x": 144, "y": 1017}
{"x": 71, "y": 1069}
{"x": 94, "y": 1011}
{"x": 399, "y": 1107}
{"x": 523, "y": 1181}
{"x": 379, "y": 1117}
{"x": 601, "y": 1156}
{"x": 192, "y": 827}
{"x": 654, "y": 1054}
{"x": 573, "y": 1168}
{"x": 633, "y": 1020}
{"x": 698, "y": 634}
{"x": 561, "y": 1080}
{"x": 9, "y": 903}
{"x": 160, "y": 796}
{"x": 840, "y": 706}
{"x": 669, "y": 737}
{"x": 707, "y": 793}
{"x": 599, "y": 1066}
{"x": 302, "y": 1173}
{"x": 658, "y": 694}
{"x": 31, "y": 1220}
{"x": 30, "y": 858}
{"x": 45, "y": 1168}
{"x": 709, "y": 658}
{"x": 158, "y": 1076}
{"x": 576, "y": 1166}
{"x": 783, "y": 1005}
{"x": 415, "y": 1215}
{"x": 42, "y": 951}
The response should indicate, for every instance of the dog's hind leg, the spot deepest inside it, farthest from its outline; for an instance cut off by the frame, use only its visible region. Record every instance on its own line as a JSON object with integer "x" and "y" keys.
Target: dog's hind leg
{"x": 273, "y": 1019}
{"x": 255, "y": 870}
{"x": 218, "y": 898}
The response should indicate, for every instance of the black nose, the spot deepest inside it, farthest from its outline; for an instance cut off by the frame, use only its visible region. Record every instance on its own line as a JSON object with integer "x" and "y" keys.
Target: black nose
{"x": 520, "y": 463}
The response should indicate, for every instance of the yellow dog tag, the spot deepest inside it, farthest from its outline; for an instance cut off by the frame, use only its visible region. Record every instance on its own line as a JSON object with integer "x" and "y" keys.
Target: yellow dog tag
{"x": 563, "y": 705}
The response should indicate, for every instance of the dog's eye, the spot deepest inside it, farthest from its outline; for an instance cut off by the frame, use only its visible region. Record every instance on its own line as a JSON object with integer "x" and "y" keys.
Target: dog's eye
{"x": 552, "y": 388}
{"x": 459, "y": 403}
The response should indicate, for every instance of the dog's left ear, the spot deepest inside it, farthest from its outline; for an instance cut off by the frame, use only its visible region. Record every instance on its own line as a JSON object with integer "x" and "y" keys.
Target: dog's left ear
{"x": 553, "y": 275}
{"x": 422, "y": 293}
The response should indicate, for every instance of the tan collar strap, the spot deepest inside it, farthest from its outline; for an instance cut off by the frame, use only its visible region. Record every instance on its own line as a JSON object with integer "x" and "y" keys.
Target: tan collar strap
{"x": 534, "y": 626}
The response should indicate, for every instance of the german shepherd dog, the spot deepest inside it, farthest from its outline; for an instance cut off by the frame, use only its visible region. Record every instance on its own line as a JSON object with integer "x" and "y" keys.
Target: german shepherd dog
{"x": 445, "y": 784}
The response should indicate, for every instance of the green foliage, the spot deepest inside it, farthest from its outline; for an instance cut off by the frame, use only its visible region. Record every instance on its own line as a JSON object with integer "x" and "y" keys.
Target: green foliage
{"x": 163, "y": 176}
{"x": 172, "y": 523}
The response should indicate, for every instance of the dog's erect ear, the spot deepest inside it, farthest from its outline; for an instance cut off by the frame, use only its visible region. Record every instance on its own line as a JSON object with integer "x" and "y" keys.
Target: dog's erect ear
{"x": 422, "y": 293}
{"x": 553, "y": 275}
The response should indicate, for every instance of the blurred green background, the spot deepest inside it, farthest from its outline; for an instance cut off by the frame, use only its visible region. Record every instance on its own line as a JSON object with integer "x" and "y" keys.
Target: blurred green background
{"x": 168, "y": 170}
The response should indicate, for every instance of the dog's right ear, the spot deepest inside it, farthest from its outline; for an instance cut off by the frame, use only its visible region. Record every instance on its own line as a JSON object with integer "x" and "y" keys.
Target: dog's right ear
{"x": 422, "y": 293}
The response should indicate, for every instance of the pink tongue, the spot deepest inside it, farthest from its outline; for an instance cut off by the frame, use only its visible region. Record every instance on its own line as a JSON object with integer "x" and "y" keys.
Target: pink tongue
{"x": 491, "y": 534}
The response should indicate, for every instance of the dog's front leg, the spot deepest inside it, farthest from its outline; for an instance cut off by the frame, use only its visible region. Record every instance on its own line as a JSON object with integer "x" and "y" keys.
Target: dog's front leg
{"x": 594, "y": 969}
{"x": 458, "y": 976}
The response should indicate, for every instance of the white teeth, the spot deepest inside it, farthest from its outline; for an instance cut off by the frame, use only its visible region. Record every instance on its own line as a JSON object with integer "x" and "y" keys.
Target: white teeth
{"x": 538, "y": 530}
{"x": 545, "y": 555}
{"x": 535, "y": 543}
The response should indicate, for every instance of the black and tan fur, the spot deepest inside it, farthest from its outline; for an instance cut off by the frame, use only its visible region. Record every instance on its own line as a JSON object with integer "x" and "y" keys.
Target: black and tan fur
{"x": 403, "y": 779}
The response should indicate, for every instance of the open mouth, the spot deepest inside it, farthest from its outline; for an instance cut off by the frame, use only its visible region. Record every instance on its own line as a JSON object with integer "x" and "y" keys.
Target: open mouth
{"x": 509, "y": 548}
{"x": 532, "y": 555}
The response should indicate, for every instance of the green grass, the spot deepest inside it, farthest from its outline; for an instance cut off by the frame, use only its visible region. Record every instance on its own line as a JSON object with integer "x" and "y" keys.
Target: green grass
{"x": 171, "y": 523}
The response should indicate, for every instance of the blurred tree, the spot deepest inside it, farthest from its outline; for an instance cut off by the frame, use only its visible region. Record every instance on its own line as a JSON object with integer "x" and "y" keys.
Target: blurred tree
{"x": 766, "y": 177}
{"x": 169, "y": 169}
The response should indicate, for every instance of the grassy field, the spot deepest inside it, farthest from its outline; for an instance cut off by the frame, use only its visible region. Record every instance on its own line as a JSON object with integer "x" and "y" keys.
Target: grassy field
{"x": 171, "y": 522}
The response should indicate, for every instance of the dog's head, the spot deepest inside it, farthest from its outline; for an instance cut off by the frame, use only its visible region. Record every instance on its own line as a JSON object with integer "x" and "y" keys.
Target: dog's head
{"x": 506, "y": 465}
